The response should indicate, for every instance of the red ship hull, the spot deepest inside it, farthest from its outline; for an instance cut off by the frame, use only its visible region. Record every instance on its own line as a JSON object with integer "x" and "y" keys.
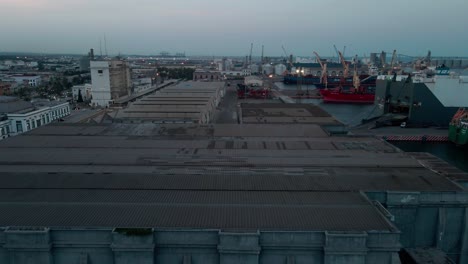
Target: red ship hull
{"x": 337, "y": 96}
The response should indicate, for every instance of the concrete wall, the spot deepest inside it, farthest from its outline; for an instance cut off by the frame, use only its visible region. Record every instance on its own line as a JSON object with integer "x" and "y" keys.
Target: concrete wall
{"x": 430, "y": 219}
{"x": 63, "y": 246}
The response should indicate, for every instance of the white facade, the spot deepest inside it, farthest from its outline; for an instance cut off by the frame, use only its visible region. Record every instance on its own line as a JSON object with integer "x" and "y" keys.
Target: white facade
{"x": 20, "y": 123}
{"x": 4, "y": 129}
{"x": 452, "y": 91}
{"x": 85, "y": 92}
{"x": 253, "y": 81}
{"x": 32, "y": 81}
{"x": 100, "y": 78}
{"x": 110, "y": 80}
{"x": 141, "y": 84}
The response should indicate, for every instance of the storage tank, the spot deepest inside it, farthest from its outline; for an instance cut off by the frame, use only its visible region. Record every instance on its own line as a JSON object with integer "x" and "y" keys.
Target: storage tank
{"x": 254, "y": 68}
{"x": 280, "y": 69}
{"x": 267, "y": 69}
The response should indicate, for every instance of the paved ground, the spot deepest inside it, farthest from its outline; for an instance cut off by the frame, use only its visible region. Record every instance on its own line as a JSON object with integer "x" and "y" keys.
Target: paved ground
{"x": 398, "y": 131}
{"x": 226, "y": 112}
{"x": 78, "y": 115}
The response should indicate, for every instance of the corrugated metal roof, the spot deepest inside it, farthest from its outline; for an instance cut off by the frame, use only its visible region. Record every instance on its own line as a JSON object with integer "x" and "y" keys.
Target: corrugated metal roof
{"x": 331, "y": 179}
{"x": 210, "y": 214}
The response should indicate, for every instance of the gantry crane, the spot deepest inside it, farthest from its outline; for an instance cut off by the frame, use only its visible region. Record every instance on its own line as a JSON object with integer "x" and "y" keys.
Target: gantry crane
{"x": 356, "y": 80}
{"x": 323, "y": 77}
{"x": 345, "y": 65}
{"x": 390, "y": 72}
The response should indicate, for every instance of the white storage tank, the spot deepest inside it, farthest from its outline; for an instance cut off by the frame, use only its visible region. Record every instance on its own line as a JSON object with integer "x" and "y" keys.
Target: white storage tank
{"x": 267, "y": 69}
{"x": 280, "y": 69}
{"x": 254, "y": 68}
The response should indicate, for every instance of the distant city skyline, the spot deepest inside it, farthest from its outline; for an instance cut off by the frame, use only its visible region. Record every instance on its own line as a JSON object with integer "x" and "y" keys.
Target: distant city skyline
{"x": 215, "y": 28}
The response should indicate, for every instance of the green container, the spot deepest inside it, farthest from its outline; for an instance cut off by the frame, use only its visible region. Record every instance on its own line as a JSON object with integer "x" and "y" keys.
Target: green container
{"x": 458, "y": 133}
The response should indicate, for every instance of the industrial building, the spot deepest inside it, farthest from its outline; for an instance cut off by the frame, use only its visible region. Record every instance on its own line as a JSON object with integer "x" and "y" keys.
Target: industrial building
{"x": 84, "y": 89}
{"x": 240, "y": 193}
{"x": 425, "y": 100}
{"x": 205, "y": 75}
{"x": 185, "y": 102}
{"x": 18, "y": 116}
{"x": 110, "y": 80}
{"x": 333, "y": 69}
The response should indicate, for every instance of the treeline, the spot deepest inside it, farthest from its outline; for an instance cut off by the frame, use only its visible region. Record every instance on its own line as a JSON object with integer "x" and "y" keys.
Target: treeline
{"x": 55, "y": 87}
{"x": 178, "y": 73}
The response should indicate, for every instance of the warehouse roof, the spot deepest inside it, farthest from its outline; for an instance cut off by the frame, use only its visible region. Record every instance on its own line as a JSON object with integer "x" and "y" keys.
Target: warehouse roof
{"x": 182, "y": 209}
{"x": 242, "y": 177}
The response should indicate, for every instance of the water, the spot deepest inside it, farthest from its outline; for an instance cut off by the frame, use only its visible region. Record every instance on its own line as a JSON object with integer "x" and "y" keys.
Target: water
{"x": 348, "y": 114}
{"x": 452, "y": 154}
{"x": 352, "y": 114}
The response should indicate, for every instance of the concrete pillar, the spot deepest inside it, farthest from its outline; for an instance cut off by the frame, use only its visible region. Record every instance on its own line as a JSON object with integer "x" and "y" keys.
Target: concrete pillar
{"x": 28, "y": 245}
{"x": 345, "y": 247}
{"x": 464, "y": 239}
{"x": 133, "y": 245}
{"x": 239, "y": 248}
{"x": 441, "y": 228}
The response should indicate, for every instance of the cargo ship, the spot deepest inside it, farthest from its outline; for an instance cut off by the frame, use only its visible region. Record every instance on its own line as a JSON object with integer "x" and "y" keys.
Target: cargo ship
{"x": 358, "y": 93}
{"x": 458, "y": 128}
{"x": 428, "y": 98}
{"x": 362, "y": 95}
{"x": 332, "y": 82}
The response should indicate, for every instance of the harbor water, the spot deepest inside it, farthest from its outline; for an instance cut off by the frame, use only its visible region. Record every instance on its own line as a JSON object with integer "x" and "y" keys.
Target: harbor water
{"x": 352, "y": 115}
{"x": 447, "y": 151}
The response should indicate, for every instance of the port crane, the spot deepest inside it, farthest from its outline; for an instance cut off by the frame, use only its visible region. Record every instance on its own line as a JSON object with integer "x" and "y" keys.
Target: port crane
{"x": 356, "y": 80}
{"x": 288, "y": 60}
{"x": 250, "y": 55}
{"x": 323, "y": 77}
{"x": 390, "y": 72}
{"x": 337, "y": 52}
{"x": 298, "y": 71}
{"x": 345, "y": 65}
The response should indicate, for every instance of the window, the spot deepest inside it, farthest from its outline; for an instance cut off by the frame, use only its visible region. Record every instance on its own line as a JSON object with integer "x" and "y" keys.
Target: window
{"x": 43, "y": 119}
{"x": 19, "y": 127}
{"x": 28, "y": 125}
{"x": 38, "y": 122}
{"x": 47, "y": 118}
{"x": 8, "y": 130}
{"x": 99, "y": 71}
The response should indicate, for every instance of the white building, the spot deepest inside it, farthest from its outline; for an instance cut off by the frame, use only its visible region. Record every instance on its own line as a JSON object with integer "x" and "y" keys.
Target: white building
{"x": 141, "y": 84}
{"x": 243, "y": 72}
{"x": 85, "y": 92}
{"x": 31, "y": 80}
{"x": 4, "y": 127}
{"x": 253, "y": 81}
{"x": 20, "y": 116}
{"x": 110, "y": 80}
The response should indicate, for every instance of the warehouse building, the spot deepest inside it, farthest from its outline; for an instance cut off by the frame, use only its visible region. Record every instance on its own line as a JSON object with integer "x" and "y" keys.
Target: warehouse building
{"x": 248, "y": 193}
{"x": 186, "y": 102}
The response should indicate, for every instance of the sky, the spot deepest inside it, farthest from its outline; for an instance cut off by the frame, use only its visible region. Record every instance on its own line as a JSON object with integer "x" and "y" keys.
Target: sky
{"x": 222, "y": 27}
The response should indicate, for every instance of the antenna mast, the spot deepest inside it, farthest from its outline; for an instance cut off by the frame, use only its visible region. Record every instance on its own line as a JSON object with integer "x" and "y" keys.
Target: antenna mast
{"x": 100, "y": 46}
{"x": 105, "y": 44}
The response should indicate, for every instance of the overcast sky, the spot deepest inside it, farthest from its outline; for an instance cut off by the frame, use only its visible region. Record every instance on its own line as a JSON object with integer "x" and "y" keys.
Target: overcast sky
{"x": 227, "y": 27}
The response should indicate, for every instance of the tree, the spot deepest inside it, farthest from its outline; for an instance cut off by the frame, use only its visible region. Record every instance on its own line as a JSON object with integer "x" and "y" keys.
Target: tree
{"x": 80, "y": 97}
